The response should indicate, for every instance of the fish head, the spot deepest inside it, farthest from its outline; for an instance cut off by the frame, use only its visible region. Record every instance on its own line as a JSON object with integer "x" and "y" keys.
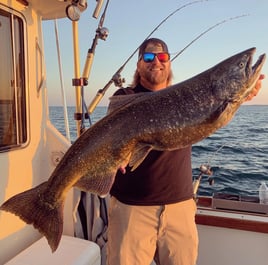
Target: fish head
{"x": 234, "y": 78}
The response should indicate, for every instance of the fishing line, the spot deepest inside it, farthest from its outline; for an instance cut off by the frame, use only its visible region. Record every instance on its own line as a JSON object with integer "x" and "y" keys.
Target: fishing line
{"x": 204, "y": 32}
{"x": 205, "y": 169}
{"x": 215, "y": 153}
{"x": 160, "y": 24}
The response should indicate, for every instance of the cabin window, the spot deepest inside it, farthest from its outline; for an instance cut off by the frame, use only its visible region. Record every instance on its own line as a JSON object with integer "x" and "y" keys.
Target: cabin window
{"x": 13, "y": 129}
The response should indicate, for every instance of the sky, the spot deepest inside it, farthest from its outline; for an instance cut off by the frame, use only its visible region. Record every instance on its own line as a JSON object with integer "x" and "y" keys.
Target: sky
{"x": 130, "y": 22}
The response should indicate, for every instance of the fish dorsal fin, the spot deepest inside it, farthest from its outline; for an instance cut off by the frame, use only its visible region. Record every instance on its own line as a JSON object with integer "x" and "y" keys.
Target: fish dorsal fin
{"x": 119, "y": 101}
{"x": 138, "y": 155}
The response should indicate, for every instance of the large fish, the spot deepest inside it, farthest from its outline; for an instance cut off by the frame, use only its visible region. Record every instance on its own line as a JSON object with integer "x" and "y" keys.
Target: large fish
{"x": 169, "y": 119}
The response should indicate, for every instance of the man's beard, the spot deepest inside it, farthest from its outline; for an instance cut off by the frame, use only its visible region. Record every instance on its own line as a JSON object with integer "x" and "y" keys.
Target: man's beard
{"x": 156, "y": 79}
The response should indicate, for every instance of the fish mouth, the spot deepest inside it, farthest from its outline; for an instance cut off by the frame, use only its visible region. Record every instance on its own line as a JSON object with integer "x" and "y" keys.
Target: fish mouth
{"x": 254, "y": 70}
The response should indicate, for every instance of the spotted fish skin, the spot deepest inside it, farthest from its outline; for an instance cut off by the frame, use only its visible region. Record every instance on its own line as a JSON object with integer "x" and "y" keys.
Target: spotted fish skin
{"x": 169, "y": 119}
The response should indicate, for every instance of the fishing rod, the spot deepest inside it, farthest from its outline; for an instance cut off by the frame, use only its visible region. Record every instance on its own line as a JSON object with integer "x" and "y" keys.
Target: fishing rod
{"x": 205, "y": 169}
{"x": 101, "y": 33}
{"x": 116, "y": 79}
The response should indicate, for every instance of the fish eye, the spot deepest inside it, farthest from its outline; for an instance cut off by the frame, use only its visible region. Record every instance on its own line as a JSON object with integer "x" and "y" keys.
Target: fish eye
{"x": 241, "y": 65}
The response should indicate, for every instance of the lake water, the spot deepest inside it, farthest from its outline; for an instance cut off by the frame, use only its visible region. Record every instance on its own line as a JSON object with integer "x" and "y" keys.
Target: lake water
{"x": 237, "y": 153}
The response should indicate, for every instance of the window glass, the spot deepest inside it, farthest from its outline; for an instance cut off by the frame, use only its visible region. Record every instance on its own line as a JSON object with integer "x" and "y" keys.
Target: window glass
{"x": 13, "y": 131}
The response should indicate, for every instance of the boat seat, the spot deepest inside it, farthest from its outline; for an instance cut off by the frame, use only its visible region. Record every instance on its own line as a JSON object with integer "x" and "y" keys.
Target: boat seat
{"x": 71, "y": 251}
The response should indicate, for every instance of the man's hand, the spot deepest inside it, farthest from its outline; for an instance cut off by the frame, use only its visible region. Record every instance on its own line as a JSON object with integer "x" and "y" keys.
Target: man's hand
{"x": 256, "y": 89}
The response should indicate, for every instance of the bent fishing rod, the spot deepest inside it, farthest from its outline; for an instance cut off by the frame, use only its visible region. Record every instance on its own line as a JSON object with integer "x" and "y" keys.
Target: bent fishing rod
{"x": 116, "y": 79}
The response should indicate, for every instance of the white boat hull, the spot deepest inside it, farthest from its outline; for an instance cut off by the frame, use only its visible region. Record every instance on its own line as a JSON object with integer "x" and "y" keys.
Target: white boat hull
{"x": 231, "y": 237}
{"x": 221, "y": 246}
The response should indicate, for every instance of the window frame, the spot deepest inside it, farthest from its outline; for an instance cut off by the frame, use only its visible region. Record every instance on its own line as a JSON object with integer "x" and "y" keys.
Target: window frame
{"x": 20, "y": 101}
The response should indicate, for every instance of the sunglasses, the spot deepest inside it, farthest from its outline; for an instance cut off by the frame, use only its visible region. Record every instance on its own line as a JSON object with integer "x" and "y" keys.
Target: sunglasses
{"x": 148, "y": 57}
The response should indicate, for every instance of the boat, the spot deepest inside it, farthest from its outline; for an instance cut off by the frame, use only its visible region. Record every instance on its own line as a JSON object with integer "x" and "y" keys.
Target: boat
{"x": 232, "y": 230}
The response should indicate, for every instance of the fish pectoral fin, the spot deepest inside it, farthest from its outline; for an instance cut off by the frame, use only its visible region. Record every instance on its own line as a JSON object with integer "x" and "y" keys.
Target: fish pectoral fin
{"x": 138, "y": 155}
{"x": 222, "y": 115}
{"x": 99, "y": 185}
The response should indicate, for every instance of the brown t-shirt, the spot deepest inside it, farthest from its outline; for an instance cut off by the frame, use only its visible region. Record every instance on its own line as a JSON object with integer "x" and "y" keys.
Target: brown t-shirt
{"x": 164, "y": 177}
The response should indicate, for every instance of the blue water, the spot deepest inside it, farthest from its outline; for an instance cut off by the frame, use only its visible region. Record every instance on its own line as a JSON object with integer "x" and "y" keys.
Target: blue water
{"x": 237, "y": 153}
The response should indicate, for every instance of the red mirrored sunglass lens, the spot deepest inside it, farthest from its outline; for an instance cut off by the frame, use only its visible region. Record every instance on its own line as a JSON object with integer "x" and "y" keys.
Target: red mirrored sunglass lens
{"x": 163, "y": 57}
{"x": 148, "y": 57}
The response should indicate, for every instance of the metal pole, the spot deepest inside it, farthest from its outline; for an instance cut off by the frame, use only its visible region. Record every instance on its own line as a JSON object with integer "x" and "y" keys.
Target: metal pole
{"x": 77, "y": 74}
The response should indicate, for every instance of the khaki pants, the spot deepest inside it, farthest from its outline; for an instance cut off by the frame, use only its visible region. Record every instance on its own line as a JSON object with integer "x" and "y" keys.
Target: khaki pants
{"x": 137, "y": 234}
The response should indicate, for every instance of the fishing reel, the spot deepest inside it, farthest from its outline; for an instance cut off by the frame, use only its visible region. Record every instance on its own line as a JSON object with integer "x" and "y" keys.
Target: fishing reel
{"x": 102, "y": 33}
{"x": 118, "y": 80}
{"x": 206, "y": 170}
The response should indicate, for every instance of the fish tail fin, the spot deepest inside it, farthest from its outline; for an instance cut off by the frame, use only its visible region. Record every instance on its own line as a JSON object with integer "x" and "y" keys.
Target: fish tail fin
{"x": 32, "y": 208}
